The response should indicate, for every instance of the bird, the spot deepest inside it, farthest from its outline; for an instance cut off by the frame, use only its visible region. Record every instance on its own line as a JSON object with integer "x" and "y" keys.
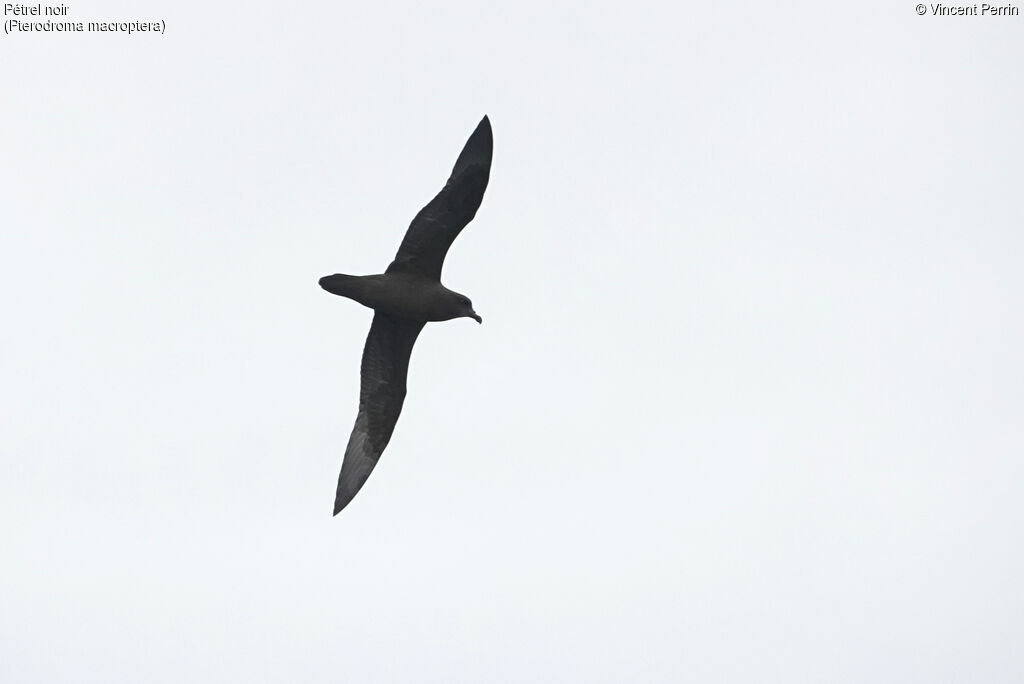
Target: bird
{"x": 407, "y": 296}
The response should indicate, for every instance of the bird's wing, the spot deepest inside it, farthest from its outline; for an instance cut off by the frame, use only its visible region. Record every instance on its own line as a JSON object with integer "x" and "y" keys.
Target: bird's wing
{"x": 437, "y": 225}
{"x": 382, "y": 391}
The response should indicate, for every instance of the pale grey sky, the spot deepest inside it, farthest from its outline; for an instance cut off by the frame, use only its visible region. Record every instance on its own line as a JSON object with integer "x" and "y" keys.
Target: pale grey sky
{"x": 745, "y": 406}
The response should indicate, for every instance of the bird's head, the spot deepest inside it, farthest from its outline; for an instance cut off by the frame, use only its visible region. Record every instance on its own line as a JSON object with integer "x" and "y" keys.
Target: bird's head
{"x": 464, "y": 309}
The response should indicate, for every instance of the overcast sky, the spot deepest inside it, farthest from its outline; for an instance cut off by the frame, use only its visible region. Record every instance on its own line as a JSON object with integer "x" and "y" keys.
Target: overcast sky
{"x": 745, "y": 406}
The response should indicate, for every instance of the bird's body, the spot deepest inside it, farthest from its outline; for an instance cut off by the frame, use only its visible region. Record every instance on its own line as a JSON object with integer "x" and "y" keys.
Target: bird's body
{"x": 403, "y": 295}
{"x": 407, "y": 296}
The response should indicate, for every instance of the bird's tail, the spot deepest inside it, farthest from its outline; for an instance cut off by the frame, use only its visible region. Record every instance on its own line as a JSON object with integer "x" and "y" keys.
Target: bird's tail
{"x": 339, "y": 284}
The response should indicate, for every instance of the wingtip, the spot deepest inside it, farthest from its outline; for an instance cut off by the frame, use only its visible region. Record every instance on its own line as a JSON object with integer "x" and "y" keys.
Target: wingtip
{"x": 478, "y": 149}
{"x": 485, "y": 126}
{"x": 344, "y": 497}
{"x": 340, "y": 502}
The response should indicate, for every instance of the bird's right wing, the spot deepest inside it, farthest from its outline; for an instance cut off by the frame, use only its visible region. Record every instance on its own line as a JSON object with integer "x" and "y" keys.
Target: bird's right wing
{"x": 382, "y": 391}
{"x": 437, "y": 225}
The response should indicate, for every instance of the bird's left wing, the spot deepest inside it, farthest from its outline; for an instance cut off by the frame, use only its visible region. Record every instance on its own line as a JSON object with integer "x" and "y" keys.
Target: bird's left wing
{"x": 437, "y": 225}
{"x": 382, "y": 391}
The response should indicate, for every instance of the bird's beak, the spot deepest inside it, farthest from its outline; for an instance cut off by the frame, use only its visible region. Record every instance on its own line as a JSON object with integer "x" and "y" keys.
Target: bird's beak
{"x": 476, "y": 317}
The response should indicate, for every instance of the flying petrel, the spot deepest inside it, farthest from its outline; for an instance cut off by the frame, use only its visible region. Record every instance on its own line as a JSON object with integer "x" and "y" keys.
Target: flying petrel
{"x": 405, "y": 298}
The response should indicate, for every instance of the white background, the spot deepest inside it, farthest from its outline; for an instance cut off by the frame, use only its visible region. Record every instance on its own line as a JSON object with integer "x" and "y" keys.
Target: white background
{"x": 745, "y": 407}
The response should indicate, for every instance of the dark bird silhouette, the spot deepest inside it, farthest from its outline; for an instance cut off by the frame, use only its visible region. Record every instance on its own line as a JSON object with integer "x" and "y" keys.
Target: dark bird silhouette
{"x": 405, "y": 298}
